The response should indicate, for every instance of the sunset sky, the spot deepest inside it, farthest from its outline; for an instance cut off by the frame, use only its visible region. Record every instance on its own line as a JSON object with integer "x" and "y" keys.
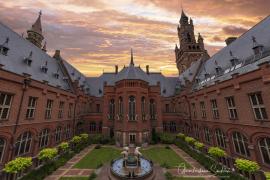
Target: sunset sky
{"x": 94, "y": 35}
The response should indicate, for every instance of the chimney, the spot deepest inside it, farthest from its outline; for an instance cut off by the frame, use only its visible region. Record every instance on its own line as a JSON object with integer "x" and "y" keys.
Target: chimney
{"x": 229, "y": 40}
{"x": 116, "y": 69}
{"x": 147, "y": 69}
{"x": 57, "y": 55}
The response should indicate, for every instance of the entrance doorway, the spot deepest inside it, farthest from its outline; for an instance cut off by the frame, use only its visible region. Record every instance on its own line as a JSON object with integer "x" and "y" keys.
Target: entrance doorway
{"x": 132, "y": 138}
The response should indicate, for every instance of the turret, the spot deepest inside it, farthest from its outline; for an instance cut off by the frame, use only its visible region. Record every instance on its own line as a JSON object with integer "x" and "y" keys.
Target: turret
{"x": 34, "y": 35}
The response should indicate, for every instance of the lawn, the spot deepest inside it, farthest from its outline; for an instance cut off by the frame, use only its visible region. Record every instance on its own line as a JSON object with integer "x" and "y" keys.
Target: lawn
{"x": 98, "y": 157}
{"x": 164, "y": 156}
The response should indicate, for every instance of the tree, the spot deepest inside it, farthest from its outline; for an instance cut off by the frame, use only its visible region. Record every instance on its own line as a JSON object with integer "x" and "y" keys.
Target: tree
{"x": 198, "y": 145}
{"x": 190, "y": 140}
{"x": 17, "y": 165}
{"x": 47, "y": 154}
{"x": 216, "y": 152}
{"x": 246, "y": 165}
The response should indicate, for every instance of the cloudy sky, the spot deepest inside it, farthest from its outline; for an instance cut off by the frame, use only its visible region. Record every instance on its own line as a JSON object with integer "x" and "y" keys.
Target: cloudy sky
{"x": 94, "y": 35}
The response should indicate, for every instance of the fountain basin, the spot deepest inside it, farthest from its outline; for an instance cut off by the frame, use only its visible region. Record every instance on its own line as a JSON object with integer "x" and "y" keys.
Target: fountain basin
{"x": 141, "y": 171}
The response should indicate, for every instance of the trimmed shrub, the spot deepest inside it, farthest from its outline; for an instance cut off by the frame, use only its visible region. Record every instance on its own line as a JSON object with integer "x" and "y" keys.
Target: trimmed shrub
{"x": 246, "y": 165}
{"x": 47, "y": 154}
{"x": 167, "y": 138}
{"x": 76, "y": 140}
{"x": 216, "y": 152}
{"x": 198, "y": 145}
{"x": 93, "y": 176}
{"x": 181, "y": 135}
{"x": 190, "y": 140}
{"x": 18, "y": 164}
{"x": 63, "y": 146}
{"x": 84, "y": 137}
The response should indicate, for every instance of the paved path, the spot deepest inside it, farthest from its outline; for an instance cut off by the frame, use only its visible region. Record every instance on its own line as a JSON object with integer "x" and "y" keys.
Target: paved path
{"x": 68, "y": 171}
{"x": 196, "y": 167}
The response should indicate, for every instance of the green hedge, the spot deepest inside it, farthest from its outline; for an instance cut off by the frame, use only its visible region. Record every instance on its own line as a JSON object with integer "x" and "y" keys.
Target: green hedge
{"x": 166, "y": 138}
{"x": 208, "y": 162}
{"x": 47, "y": 169}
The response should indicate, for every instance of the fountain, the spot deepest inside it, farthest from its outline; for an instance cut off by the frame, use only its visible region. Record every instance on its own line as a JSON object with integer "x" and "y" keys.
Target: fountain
{"x": 132, "y": 165}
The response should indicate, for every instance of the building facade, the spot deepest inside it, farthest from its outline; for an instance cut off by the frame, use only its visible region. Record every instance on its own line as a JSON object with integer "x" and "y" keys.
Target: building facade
{"x": 221, "y": 100}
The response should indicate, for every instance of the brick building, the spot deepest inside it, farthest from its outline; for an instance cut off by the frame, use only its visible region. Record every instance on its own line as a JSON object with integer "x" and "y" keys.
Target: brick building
{"x": 221, "y": 100}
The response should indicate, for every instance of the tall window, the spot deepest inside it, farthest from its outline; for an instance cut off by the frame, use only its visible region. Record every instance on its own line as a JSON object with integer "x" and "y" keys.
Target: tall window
{"x": 44, "y": 138}
{"x": 98, "y": 108}
{"x": 194, "y": 110}
{"x": 164, "y": 126}
{"x": 111, "y": 109}
{"x": 70, "y": 110}
{"x": 172, "y": 126}
{"x": 92, "y": 127}
{"x": 258, "y": 106}
{"x": 143, "y": 108}
{"x": 23, "y": 144}
{"x": 132, "y": 108}
{"x": 203, "y": 111}
{"x": 61, "y": 109}
{"x": 48, "y": 111}
{"x": 68, "y": 131}
{"x": 57, "y": 137}
{"x": 167, "y": 108}
{"x": 215, "y": 108}
{"x": 5, "y": 103}
{"x": 197, "y": 131}
{"x": 152, "y": 109}
{"x": 120, "y": 107}
{"x": 240, "y": 144}
{"x": 220, "y": 136}
{"x": 231, "y": 107}
{"x": 32, "y": 102}
{"x": 207, "y": 135}
{"x": 2, "y": 148}
{"x": 264, "y": 145}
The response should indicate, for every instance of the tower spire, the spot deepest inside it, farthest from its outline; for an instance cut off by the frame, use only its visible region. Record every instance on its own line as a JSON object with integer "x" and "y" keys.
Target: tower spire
{"x": 34, "y": 35}
{"x": 131, "y": 58}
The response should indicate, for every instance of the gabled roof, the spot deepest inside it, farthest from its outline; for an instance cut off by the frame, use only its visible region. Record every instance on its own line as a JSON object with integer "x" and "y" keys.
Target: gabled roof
{"x": 19, "y": 49}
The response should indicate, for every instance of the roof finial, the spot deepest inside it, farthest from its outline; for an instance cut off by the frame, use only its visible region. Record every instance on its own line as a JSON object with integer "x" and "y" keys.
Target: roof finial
{"x": 40, "y": 13}
{"x": 131, "y": 58}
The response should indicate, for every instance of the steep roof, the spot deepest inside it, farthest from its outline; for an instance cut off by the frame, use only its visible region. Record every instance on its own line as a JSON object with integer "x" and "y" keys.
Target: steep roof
{"x": 36, "y": 27}
{"x": 20, "y": 49}
{"x": 241, "y": 50}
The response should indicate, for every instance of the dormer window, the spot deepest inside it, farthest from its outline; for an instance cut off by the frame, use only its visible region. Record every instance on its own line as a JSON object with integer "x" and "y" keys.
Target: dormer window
{"x": 197, "y": 80}
{"x": 207, "y": 75}
{"x": 65, "y": 78}
{"x": 219, "y": 70}
{"x": 56, "y": 74}
{"x": 28, "y": 60}
{"x": 4, "y": 47}
{"x": 100, "y": 91}
{"x": 73, "y": 73}
{"x": 164, "y": 91}
{"x": 44, "y": 68}
{"x": 257, "y": 48}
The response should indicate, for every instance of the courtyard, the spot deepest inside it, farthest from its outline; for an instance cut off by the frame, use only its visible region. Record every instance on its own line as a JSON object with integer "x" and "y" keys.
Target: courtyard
{"x": 91, "y": 163}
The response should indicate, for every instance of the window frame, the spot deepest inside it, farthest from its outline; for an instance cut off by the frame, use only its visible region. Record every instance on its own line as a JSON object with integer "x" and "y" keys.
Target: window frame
{"x": 259, "y": 106}
{"x": 4, "y": 106}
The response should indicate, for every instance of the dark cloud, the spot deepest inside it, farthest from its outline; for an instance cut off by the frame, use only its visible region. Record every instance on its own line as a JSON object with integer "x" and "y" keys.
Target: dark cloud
{"x": 233, "y": 30}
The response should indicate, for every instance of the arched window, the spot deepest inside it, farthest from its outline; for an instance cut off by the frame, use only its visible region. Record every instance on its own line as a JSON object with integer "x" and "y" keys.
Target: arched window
{"x": 57, "y": 137}
{"x": 152, "y": 109}
{"x": 23, "y": 144}
{"x": 264, "y": 145}
{"x": 143, "y": 108}
{"x": 111, "y": 109}
{"x": 2, "y": 148}
{"x": 132, "y": 108}
{"x": 188, "y": 37}
{"x": 240, "y": 144}
{"x": 92, "y": 127}
{"x": 44, "y": 138}
{"x": 207, "y": 135}
{"x": 68, "y": 131}
{"x": 220, "y": 136}
{"x": 120, "y": 107}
